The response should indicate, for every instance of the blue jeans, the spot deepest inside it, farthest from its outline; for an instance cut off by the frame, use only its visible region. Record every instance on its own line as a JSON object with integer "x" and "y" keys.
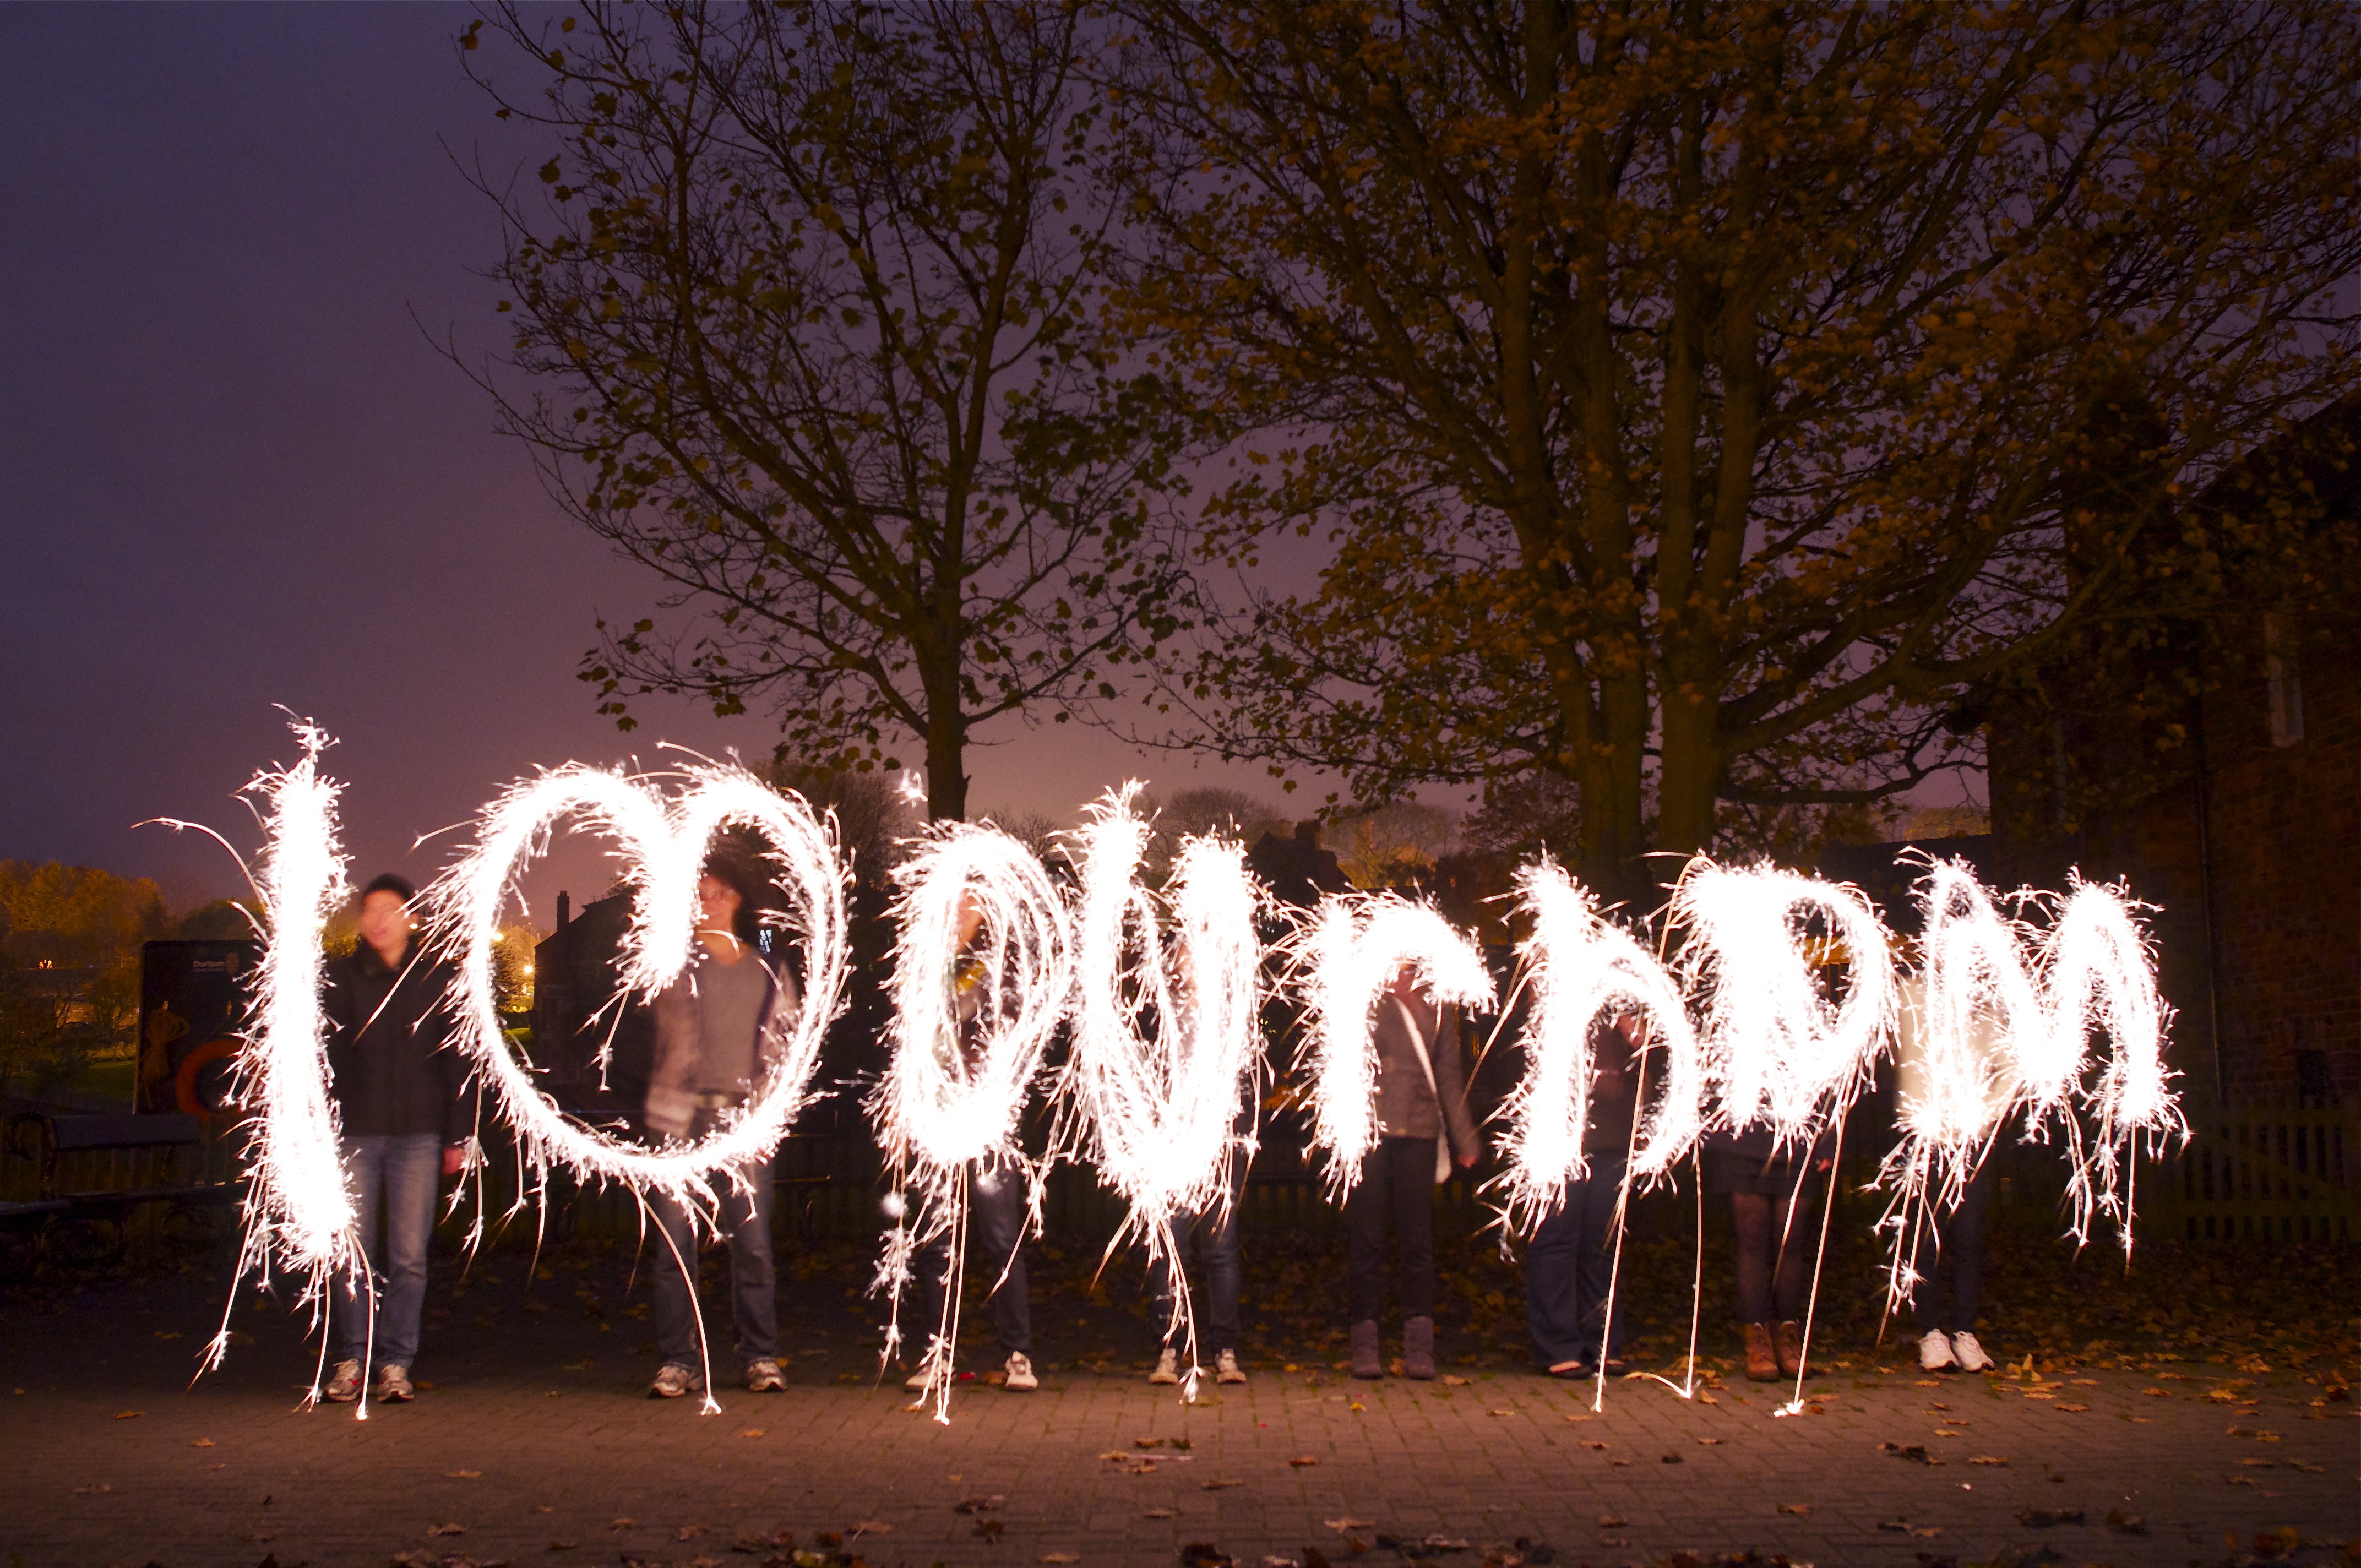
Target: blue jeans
{"x": 1568, "y": 1268}
{"x": 745, "y": 1220}
{"x": 1217, "y": 1243}
{"x": 399, "y": 1173}
{"x": 999, "y": 1212}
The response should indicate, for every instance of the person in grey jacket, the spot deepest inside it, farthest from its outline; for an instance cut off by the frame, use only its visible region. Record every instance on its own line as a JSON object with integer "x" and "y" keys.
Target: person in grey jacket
{"x": 1422, "y": 1110}
{"x": 717, "y": 1029}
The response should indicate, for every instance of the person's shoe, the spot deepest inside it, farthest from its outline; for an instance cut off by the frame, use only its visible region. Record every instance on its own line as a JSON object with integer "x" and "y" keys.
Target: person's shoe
{"x": 1367, "y": 1363}
{"x": 344, "y": 1384}
{"x": 1971, "y": 1356}
{"x": 1417, "y": 1349}
{"x": 1227, "y": 1369}
{"x": 918, "y": 1382}
{"x": 1791, "y": 1348}
{"x": 763, "y": 1377}
{"x": 1935, "y": 1352}
{"x": 673, "y": 1380}
{"x": 1020, "y": 1373}
{"x": 1168, "y": 1367}
{"x": 393, "y": 1386}
{"x": 1761, "y": 1361}
{"x": 1568, "y": 1371}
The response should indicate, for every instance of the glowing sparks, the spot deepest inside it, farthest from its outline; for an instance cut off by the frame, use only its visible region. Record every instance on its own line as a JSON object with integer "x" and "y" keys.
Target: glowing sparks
{"x": 299, "y": 1206}
{"x": 981, "y": 976}
{"x": 664, "y": 848}
{"x": 1582, "y": 968}
{"x": 1356, "y": 945}
{"x": 1779, "y": 1054}
{"x": 1159, "y": 1109}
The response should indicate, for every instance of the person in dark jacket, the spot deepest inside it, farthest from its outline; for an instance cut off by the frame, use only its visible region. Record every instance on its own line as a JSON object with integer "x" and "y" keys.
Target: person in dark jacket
{"x": 400, "y": 1087}
{"x": 716, "y": 1029}
{"x": 1422, "y": 1105}
{"x": 1571, "y": 1261}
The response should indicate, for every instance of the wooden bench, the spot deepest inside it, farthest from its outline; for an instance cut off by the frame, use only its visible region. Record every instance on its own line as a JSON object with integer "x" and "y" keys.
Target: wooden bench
{"x": 92, "y": 1171}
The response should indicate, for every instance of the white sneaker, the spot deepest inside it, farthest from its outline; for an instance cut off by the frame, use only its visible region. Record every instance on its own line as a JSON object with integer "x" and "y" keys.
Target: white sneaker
{"x": 1168, "y": 1367}
{"x": 1969, "y": 1354}
{"x": 918, "y": 1382}
{"x": 1020, "y": 1373}
{"x": 1935, "y": 1352}
{"x": 1227, "y": 1369}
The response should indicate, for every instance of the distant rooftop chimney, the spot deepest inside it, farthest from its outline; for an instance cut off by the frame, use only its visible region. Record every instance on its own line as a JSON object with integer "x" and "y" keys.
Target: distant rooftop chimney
{"x": 564, "y": 909}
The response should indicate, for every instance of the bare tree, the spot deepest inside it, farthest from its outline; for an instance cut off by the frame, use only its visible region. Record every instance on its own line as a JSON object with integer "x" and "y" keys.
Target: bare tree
{"x": 810, "y": 308}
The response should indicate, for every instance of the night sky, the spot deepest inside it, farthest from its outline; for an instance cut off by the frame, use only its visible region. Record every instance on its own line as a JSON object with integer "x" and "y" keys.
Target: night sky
{"x": 239, "y": 474}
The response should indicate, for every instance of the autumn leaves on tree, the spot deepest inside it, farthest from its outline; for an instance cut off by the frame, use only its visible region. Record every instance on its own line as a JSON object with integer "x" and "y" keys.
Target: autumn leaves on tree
{"x": 1689, "y": 404}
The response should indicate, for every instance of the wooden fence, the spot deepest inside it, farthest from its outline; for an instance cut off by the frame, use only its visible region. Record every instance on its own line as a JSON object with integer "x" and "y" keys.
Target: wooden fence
{"x": 2276, "y": 1174}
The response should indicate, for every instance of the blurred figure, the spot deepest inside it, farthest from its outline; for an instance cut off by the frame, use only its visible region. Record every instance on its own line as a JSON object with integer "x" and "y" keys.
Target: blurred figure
{"x": 1571, "y": 1260}
{"x": 999, "y": 1209}
{"x": 1947, "y": 1246}
{"x": 405, "y": 1118}
{"x": 1422, "y": 1102}
{"x": 1770, "y": 1191}
{"x": 715, "y": 1029}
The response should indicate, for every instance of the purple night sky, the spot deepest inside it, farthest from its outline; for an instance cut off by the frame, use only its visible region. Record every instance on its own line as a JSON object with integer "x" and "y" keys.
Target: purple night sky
{"x": 239, "y": 474}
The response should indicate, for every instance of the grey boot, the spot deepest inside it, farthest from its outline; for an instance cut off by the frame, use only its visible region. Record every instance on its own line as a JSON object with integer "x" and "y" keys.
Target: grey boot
{"x": 1366, "y": 1361}
{"x": 1417, "y": 1349}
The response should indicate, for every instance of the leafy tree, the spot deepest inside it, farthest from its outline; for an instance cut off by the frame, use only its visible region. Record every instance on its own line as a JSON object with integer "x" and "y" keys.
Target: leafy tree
{"x": 69, "y": 941}
{"x": 1697, "y": 400}
{"x": 812, "y": 306}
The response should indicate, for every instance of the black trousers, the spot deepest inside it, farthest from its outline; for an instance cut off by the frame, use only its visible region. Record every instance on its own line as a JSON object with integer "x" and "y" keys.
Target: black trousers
{"x": 1396, "y": 1188}
{"x": 1950, "y": 1261}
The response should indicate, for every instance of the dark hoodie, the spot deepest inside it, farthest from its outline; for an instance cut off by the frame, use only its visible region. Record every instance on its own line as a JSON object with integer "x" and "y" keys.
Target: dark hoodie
{"x": 396, "y": 1070}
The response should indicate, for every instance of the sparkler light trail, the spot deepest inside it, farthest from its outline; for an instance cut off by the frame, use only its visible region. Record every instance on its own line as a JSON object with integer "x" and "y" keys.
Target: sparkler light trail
{"x": 2004, "y": 1027}
{"x": 1779, "y": 1054}
{"x": 1581, "y": 968}
{"x": 1355, "y": 945}
{"x": 983, "y": 970}
{"x": 298, "y": 1207}
{"x": 1157, "y": 1113}
{"x": 664, "y": 849}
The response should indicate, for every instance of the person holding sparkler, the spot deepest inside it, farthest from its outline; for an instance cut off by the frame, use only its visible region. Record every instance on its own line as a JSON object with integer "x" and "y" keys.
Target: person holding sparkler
{"x": 405, "y": 1118}
{"x": 1423, "y": 1127}
{"x": 1770, "y": 1190}
{"x": 1948, "y": 1242}
{"x": 999, "y": 1206}
{"x": 1571, "y": 1261}
{"x": 714, "y": 1029}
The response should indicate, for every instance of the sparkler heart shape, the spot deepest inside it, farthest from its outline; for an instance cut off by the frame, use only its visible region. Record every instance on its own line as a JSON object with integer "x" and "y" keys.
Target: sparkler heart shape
{"x": 1582, "y": 968}
{"x": 1357, "y": 944}
{"x": 664, "y": 846}
{"x": 1160, "y": 1111}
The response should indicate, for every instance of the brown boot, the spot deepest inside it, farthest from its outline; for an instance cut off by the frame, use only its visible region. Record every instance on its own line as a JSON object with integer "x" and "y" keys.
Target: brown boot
{"x": 1762, "y": 1361}
{"x": 1417, "y": 1349}
{"x": 1791, "y": 1348}
{"x": 1366, "y": 1361}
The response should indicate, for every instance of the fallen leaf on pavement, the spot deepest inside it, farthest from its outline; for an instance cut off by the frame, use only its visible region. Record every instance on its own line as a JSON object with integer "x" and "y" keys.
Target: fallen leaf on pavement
{"x": 1989, "y": 1459}
{"x": 1217, "y": 1485}
{"x": 1060, "y": 1557}
{"x": 128, "y": 1414}
{"x": 1709, "y": 1441}
{"x": 446, "y": 1529}
{"x": 463, "y": 1474}
{"x": 979, "y": 1505}
{"x": 1300, "y": 1460}
{"x": 1612, "y": 1521}
{"x": 1801, "y": 1510}
{"x": 1157, "y": 1513}
{"x": 1340, "y": 1526}
{"x": 202, "y": 1442}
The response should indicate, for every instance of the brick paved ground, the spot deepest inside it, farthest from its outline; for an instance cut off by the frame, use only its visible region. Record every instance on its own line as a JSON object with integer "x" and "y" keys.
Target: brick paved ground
{"x": 533, "y": 1434}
